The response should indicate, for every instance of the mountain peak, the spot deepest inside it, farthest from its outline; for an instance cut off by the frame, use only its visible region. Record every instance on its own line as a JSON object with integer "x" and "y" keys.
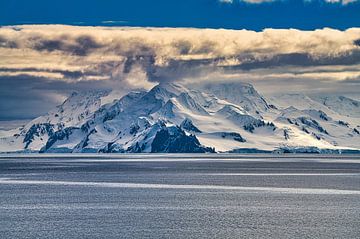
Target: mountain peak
{"x": 172, "y": 87}
{"x": 240, "y": 93}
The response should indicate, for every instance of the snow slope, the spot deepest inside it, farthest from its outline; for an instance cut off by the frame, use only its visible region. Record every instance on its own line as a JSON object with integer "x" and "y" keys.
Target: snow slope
{"x": 340, "y": 104}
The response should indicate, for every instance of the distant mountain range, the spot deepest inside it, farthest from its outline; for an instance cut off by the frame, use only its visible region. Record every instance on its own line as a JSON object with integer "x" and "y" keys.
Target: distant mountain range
{"x": 170, "y": 118}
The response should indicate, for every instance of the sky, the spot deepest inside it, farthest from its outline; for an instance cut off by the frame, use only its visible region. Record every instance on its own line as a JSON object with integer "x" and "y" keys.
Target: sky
{"x": 235, "y": 14}
{"x": 279, "y": 46}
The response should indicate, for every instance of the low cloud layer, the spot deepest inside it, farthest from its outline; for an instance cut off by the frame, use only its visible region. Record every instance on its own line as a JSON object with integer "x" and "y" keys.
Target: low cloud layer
{"x": 41, "y": 64}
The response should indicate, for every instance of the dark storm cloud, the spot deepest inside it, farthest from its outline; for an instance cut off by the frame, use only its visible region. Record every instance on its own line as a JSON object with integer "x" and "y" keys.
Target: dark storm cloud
{"x": 177, "y": 70}
{"x": 25, "y": 96}
{"x": 19, "y": 99}
{"x": 357, "y": 42}
{"x": 174, "y": 70}
{"x": 6, "y": 43}
{"x": 183, "y": 46}
{"x": 307, "y": 86}
{"x": 49, "y": 45}
{"x": 81, "y": 46}
{"x": 146, "y": 61}
{"x": 64, "y": 73}
{"x": 298, "y": 59}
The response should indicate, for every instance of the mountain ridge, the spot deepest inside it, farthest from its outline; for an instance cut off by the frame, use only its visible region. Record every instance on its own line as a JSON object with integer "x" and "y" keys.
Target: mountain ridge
{"x": 171, "y": 118}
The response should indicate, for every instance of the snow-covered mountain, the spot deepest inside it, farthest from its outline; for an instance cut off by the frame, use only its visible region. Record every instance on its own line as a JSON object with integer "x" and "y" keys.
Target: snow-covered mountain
{"x": 171, "y": 118}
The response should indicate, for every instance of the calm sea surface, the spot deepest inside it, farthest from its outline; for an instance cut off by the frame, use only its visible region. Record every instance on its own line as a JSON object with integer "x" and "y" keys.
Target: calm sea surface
{"x": 179, "y": 196}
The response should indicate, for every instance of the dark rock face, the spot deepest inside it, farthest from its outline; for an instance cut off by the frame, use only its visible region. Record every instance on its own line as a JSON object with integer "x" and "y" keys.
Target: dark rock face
{"x": 250, "y": 127}
{"x": 38, "y": 130}
{"x": 59, "y": 135}
{"x": 112, "y": 148}
{"x": 234, "y": 136}
{"x": 286, "y": 134}
{"x": 313, "y": 124}
{"x": 174, "y": 140}
{"x": 316, "y": 136}
{"x": 81, "y": 147}
{"x": 188, "y": 125}
{"x": 134, "y": 128}
{"x": 343, "y": 123}
{"x": 136, "y": 148}
{"x": 323, "y": 116}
